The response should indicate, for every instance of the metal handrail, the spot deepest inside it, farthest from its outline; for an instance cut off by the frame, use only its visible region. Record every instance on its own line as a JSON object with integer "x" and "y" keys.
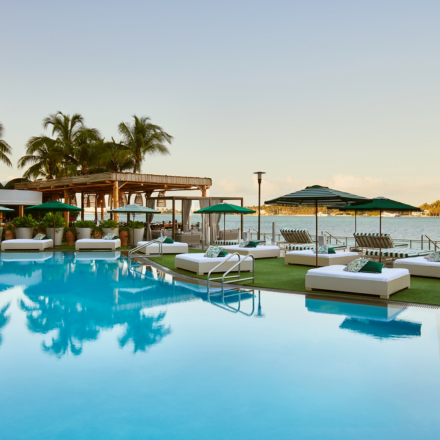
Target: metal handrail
{"x": 430, "y": 241}
{"x": 236, "y": 277}
{"x": 144, "y": 245}
{"x": 231, "y": 309}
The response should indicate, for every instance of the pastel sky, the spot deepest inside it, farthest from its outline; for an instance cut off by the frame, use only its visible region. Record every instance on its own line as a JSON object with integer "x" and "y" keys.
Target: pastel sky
{"x": 340, "y": 93}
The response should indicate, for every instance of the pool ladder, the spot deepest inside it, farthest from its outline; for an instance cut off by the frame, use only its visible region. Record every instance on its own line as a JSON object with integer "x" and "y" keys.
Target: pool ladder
{"x": 144, "y": 245}
{"x": 232, "y": 278}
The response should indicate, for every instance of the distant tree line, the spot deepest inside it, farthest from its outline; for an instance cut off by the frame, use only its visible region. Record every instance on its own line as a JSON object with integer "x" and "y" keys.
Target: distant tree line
{"x": 433, "y": 208}
{"x": 73, "y": 149}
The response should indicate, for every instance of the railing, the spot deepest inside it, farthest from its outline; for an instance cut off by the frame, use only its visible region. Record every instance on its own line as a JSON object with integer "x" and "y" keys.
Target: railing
{"x": 332, "y": 236}
{"x": 233, "y": 278}
{"x": 144, "y": 245}
{"x": 349, "y": 241}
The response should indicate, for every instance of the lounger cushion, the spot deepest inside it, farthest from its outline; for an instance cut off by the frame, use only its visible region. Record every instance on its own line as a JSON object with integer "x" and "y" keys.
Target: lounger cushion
{"x": 261, "y": 251}
{"x": 97, "y": 243}
{"x": 396, "y": 253}
{"x": 303, "y": 247}
{"x": 167, "y": 248}
{"x": 26, "y": 244}
{"x": 419, "y": 266}
{"x": 380, "y": 284}
{"x": 308, "y": 258}
{"x": 200, "y": 264}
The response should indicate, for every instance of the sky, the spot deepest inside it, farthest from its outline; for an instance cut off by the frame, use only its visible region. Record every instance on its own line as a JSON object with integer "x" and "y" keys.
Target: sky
{"x": 344, "y": 94}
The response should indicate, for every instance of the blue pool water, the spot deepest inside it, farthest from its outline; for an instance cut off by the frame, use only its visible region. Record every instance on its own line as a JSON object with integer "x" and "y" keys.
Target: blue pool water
{"x": 91, "y": 349}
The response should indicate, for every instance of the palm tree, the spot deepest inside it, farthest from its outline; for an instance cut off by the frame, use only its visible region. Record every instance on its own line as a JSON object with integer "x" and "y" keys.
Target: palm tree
{"x": 45, "y": 156}
{"x": 141, "y": 138}
{"x": 114, "y": 156}
{"x": 5, "y": 149}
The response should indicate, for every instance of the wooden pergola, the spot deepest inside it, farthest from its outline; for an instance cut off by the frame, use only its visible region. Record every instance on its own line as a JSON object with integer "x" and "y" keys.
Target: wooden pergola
{"x": 116, "y": 185}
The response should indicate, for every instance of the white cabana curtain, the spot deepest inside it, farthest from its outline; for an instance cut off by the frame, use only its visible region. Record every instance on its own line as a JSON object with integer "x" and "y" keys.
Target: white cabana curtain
{"x": 149, "y": 203}
{"x": 186, "y": 215}
{"x": 204, "y": 203}
{"x": 215, "y": 220}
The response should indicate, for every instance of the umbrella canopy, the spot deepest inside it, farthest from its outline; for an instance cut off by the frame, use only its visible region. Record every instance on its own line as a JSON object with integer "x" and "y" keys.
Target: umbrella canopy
{"x": 317, "y": 195}
{"x": 4, "y": 209}
{"x": 224, "y": 208}
{"x": 54, "y": 207}
{"x": 380, "y": 204}
{"x": 134, "y": 209}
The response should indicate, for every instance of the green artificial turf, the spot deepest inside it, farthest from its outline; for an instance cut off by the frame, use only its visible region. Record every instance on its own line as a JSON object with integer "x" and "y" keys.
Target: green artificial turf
{"x": 274, "y": 274}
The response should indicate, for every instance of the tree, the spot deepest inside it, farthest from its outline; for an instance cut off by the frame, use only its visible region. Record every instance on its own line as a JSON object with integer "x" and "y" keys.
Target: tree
{"x": 141, "y": 138}
{"x": 114, "y": 156}
{"x": 5, "y": 149}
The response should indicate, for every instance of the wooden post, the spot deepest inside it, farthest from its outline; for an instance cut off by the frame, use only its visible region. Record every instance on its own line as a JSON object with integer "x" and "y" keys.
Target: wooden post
{"x": 174, "y": 219}
{"x": 82, "y": 206}
{"x": 20, "y": 211}
{"x": 128, "y": 202}
{"x": 115, "y": 199}
{"x": 102, "y": 206}
{"x": 203, "y": 191}
{"x": 67, "y": 202}
{"x": 96, "y": 208}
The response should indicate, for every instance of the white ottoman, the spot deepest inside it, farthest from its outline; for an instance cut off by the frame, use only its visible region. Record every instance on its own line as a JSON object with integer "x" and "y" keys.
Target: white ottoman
{"x": 380, "y": 284}
{"x": 308, "y": 258}
{"x": 200, "y": 264}
{"x": 260, "y": 251}
{"x": 167, "y": 248}
{"x": 97, "y": 243}
{"x": 419, "y": 266}
{"x": 26, "y": 244}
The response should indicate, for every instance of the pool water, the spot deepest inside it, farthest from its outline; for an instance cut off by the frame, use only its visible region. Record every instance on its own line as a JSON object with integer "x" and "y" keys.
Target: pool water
{"x": 93, "y": 348}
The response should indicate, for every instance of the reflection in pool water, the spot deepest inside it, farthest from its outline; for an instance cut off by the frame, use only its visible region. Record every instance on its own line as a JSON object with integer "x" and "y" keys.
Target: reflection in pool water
{"x": 91, "y": 349}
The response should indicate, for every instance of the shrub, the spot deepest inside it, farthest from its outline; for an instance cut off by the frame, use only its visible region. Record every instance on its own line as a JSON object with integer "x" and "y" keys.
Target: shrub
{"x": 135, "y": 225}
{"x": 109, "y": 224}
{"x": 25, "y": 222}
{"x": 47, "y": 221}
{"x": 84, "y": 224}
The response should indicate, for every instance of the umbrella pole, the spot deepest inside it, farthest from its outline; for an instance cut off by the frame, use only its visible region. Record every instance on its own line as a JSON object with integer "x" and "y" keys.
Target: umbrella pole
{"x": 224, "y": 229}
{"x": 355, "y": 228}
{"x": 316, "y": 221}
{"x": 380, "y": 236}
{"x": 54, "y": 233}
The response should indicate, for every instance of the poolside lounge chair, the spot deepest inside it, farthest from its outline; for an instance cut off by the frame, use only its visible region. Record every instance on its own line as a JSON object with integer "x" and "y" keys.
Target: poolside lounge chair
{"x": 393, "y": 253}
{"x": 261, "y": 251}
{"x": 26, "y": 244}
{"x": 419, "y": 266}
{"x": 167, "y": 248}
{"x": 200, "y": 264}
{"x": 97, "y": 244}
{"x": 380, "y": 284}
{"x": 308, "y": 258}
{"x": 374, "y": 240}
{"x": 301, "y": 240}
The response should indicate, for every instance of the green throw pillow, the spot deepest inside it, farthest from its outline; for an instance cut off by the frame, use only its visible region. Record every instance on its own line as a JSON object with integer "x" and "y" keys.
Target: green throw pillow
{"x": 372, "y": 267}
{"x": 331, "y": 251}
{"x": 223, "y": 254}
{"x": 46, "y": 237}
{"x": 169, "y": 240}
{"x": 252, "y": 244}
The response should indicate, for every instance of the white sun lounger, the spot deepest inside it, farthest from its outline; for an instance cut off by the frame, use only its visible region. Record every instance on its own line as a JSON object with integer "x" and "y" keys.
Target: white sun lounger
{"x": 26, "y": 244}
{"x": 97, "y": 243}
{"x": 380, "y": 284}
{"x": 260, "y": 251}
{"x": 419, "y": 266}
{"x": 308, "y": 258}
{"x": 167, "y": 248}
{"x": 200, "y": 264}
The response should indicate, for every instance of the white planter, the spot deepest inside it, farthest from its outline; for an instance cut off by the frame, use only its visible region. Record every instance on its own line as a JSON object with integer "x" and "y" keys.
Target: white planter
{"x": 106, "y": 231}
{"x": 58, "y": 236}
{"x": 23, "y": 232}
{"x": 138, "y": 235}
{"x": 83, "y": 233}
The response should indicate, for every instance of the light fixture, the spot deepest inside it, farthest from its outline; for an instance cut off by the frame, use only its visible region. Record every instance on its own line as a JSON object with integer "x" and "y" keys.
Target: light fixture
{"x": 260, "y": 175}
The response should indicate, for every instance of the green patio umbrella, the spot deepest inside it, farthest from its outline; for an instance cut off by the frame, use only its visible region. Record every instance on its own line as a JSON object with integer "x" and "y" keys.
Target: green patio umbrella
{"x": 224, "y": 208}
{"x": 134, "y": 209}
{"x": 317, "y": 195}
{"x": 380, "y": 204}
{"x": 53, "y": 207}
{"x": 4, "y": 209}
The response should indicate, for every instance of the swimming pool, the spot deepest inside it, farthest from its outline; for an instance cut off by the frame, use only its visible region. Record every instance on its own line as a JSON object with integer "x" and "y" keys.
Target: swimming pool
{"x": 91, "y": 349}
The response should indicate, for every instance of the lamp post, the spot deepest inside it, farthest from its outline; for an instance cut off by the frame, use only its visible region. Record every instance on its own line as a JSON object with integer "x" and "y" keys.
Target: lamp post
{"x": 259, "y": 174}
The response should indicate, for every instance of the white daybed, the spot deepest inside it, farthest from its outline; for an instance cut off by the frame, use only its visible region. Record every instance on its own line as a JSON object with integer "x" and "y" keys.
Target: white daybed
{"x": 381, "y": 284}
{"x": 419, "y": 266}
{"x": 261, "y": 251}
{"x": 308, "y": 258}
{"x": 25, "y": 244}
{"x": 200, "y": 264}
{"x": 167, "y": 248}
{"x": 97, "y": 243}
